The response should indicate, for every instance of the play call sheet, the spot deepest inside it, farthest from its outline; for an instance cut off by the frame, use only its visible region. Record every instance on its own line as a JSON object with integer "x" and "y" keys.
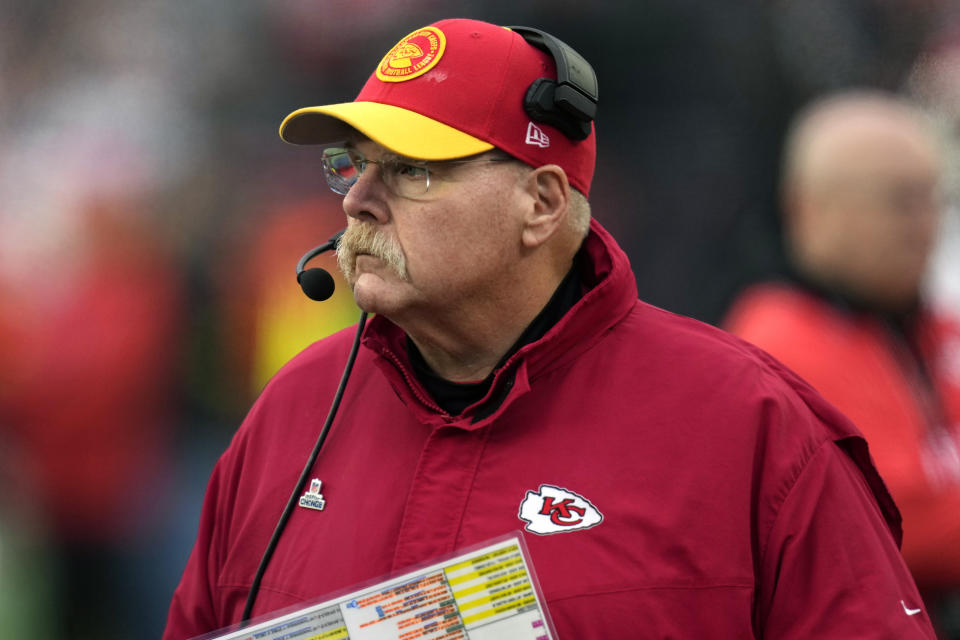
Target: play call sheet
{"x": 486, "y": 594}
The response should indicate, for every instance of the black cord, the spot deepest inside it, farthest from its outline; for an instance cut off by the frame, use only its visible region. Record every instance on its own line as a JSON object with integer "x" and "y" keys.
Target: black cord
{"x": 302, "y": 482}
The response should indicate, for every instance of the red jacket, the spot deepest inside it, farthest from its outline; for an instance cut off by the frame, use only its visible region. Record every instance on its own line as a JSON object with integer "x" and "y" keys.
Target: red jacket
{"x": 721, "y": 497}
{"x": 863, "y": 368}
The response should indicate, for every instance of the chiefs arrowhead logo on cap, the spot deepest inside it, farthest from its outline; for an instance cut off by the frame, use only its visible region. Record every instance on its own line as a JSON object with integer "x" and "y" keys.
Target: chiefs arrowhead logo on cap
{"x": 555, "y": 510}
{"x": 413, "y": 56}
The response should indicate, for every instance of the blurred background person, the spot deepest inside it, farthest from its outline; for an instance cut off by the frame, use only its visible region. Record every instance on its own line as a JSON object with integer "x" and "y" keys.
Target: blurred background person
{"x": 861, "y": 205}
{"x": 88, "y": 420}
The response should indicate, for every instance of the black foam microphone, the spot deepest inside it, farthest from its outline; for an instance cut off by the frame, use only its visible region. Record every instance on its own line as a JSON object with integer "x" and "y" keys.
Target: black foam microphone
{"x": 317, "y": 283}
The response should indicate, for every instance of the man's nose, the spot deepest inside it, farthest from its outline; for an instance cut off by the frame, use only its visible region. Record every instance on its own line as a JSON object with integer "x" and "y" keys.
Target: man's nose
{"x": 366, "y": 199}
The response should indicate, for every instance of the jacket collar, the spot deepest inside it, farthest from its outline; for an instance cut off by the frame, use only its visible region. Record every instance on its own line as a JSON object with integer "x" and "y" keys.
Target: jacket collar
{"x": 611, "y": 292}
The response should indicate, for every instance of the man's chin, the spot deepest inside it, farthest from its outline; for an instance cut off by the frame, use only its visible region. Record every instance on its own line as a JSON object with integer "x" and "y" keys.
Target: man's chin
{"x": 372, "y": 292}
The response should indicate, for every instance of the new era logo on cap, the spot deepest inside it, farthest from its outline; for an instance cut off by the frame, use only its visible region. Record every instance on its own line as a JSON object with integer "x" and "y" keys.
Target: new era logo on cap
{"x": 537, "y": 137}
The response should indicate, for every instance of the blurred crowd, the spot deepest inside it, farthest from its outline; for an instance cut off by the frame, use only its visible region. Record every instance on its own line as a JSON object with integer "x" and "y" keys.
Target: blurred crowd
{"x": 151, "y": 219}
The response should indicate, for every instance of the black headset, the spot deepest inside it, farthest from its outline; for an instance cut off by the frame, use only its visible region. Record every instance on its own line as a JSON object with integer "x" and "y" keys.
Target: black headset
{"x": 570, "y": 102}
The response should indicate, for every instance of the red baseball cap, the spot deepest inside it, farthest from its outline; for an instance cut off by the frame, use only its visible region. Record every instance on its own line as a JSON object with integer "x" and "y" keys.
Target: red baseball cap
{"x": 450, "y": 90}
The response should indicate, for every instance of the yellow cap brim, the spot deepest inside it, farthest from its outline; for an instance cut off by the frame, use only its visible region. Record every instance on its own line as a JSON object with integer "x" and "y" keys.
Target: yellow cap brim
{"x": 400, "y": 130}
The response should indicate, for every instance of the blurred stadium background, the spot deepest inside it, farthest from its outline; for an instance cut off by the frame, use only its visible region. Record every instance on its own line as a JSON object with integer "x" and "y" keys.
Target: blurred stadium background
{"x": 150, "y": 220}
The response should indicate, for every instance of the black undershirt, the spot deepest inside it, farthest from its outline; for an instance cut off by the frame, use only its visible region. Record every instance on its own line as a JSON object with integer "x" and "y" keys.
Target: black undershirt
{"x": 454, "y": 397}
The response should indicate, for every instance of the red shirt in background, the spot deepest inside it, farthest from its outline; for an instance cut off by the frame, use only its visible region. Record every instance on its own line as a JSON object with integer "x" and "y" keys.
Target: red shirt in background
{"x": 902, "y": 391}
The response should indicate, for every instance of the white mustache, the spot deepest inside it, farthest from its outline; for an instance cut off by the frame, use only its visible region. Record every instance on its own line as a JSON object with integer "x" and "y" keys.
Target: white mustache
{"x": 365, "y": 238}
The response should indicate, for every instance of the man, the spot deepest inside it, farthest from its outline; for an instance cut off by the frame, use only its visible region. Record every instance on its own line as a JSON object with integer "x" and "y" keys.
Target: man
{"x": 861, "y": 207}
{"x": 669, "y": 480}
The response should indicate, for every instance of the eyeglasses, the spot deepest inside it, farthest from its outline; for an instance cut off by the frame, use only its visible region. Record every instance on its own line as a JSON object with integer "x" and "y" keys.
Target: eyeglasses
{"x": 405, "y": 177}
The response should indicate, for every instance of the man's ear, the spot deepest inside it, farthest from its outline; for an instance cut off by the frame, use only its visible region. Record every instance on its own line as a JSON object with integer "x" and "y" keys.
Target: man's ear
{"x": 550, "y": 192}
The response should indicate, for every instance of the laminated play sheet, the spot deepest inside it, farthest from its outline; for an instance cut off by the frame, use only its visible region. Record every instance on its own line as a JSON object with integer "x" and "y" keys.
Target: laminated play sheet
{"x": 487, "y": 593}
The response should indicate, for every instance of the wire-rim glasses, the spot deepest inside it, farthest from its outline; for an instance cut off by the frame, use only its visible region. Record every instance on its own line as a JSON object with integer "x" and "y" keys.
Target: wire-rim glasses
{"x": 406, "y": 177}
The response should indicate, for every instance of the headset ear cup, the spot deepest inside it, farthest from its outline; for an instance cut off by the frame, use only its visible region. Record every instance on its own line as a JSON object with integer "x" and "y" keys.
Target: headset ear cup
{"x": 538, "y": 102}
{"x": 569, "y": 103}
{"x": 540, "y": 105}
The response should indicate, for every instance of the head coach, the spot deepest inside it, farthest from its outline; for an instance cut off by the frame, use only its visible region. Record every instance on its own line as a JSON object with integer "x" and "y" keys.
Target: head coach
{"x": 668, "y": 479}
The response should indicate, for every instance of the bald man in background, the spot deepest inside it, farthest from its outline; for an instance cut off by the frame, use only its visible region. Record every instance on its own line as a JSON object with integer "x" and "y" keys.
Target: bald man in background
{"x": 861, "y": 206}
